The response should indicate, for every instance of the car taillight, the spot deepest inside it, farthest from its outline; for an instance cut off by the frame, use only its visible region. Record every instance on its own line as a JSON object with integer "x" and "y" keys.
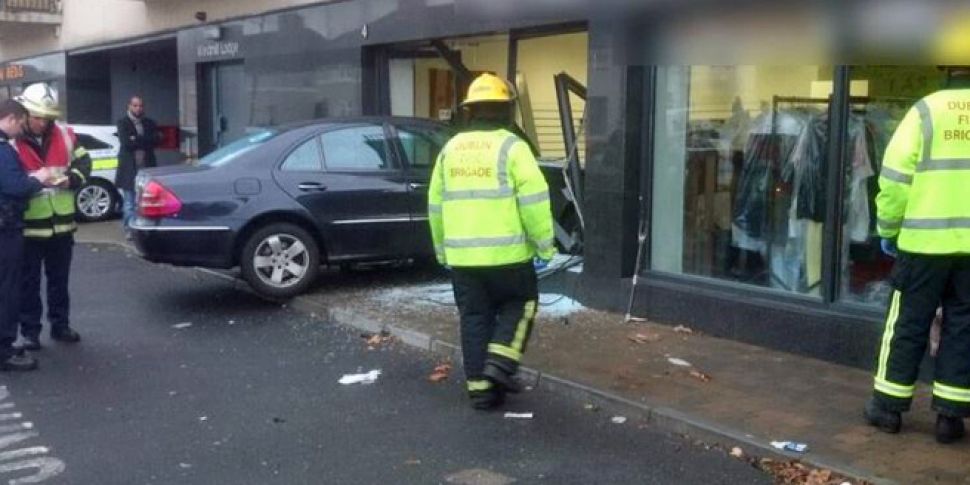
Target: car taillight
{"x": 157, "y": 201}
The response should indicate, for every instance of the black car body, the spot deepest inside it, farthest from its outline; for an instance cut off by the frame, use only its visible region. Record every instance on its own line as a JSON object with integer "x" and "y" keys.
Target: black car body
{"x": 346, "y": 189}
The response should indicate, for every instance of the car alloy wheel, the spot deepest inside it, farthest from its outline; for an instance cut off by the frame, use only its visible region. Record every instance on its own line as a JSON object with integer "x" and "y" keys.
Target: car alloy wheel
{"x": 95, "y": 202}
{"x": 281, "y": 261}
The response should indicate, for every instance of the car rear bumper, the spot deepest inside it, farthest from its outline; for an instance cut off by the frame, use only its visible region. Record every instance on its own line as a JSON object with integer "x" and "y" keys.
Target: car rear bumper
{"x": 183, "y": 244}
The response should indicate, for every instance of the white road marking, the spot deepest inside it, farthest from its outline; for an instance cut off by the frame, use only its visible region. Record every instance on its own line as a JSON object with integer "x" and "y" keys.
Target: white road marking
{"x": 28, "y": 464}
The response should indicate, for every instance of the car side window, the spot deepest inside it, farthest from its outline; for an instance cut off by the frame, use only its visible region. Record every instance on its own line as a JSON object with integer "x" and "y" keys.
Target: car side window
{"x": 421, "y": 147}
{"x": 91, "y": 143}
{"x": 306, "y": 158}
{"x": 356, "y": 149}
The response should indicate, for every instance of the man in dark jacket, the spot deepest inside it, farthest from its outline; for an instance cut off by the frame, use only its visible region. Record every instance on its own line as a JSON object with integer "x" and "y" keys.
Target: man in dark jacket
{"x": 16, "y": 187}
{"x": 139, "y": 136}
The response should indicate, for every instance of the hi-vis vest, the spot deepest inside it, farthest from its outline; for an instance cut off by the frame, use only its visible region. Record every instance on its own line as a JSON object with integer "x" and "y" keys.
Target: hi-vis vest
{"x": 51, "y": 211}
{"x": 924, "y": 197}
{"x": 488, "y": 203}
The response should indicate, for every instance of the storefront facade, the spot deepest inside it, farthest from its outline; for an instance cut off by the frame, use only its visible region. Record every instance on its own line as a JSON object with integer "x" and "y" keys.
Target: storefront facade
{"x": 751, "y": 179}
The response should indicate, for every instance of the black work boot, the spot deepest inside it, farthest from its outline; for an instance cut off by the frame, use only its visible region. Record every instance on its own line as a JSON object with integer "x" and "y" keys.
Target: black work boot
{"x": 65, "y": 334}
{"x": 949, "y": 429}
{"x": 501, "y": 377}
{"x": 884, "y": 420}
{"x": 18, "y": 362}
{"x": 487, "y": 400}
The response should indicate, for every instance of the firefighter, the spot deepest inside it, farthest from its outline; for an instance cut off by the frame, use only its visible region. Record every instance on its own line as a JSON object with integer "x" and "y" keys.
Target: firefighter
{"x": 49, "y": 218}
{"x": 924, "y": 220}
{"x": 491, "y": 223}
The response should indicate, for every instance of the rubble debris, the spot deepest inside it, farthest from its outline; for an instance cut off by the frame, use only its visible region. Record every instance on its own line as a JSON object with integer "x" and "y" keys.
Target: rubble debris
{"x": 790, "y": 446}
{"x": 367, "y": 378}
{"x": 679, "y": 362}
{"x": 643, "y": 338}
{"x": 618, "y": 419}
{"x": 518, "y": 415}
{"x": 684, "y": 330}
{"x": 440, "y": 372}
{"x": 696, "y": 374}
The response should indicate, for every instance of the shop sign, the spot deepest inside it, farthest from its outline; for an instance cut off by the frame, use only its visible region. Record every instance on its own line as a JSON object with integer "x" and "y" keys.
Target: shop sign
{"x": 218, "y": 49}
{"x": 12, "y": 72}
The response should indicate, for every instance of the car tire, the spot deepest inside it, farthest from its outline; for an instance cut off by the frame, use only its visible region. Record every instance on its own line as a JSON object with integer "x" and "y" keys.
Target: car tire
{"x": 96, "y": 201}
{"x": 280, "y": 261}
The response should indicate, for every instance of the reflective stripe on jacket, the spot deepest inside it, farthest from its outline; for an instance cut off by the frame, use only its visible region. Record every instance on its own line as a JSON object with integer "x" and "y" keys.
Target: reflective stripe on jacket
{"x": 488, "y": 202}
{"x": 924, "y": 197}
{"x": 51, "y": 211}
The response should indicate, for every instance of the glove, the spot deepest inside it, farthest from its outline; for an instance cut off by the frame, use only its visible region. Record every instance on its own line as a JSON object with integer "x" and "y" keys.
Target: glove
{"x": 540, "y": 264}
{"x": 888, "y": 247}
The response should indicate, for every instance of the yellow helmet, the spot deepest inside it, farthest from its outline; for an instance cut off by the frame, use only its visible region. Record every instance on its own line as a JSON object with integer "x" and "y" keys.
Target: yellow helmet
{"x": 40, "y": 99}
{"x": 489, "y": 88}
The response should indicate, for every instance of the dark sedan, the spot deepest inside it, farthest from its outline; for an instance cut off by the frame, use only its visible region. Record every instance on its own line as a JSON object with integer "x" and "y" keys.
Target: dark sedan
{"x": 282, "y": 201}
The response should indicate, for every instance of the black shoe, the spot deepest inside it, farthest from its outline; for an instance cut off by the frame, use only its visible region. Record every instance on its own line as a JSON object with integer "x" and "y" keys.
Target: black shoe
{"x": 18, "y": 362}
{"x": 949, "y": 429}
{"x": 66, "y": 334}
{"x": 886, "y": 421}
{"x": 501, "y": 378}
{"x": 31, "y": 343}
{"x": 487, "y": 400}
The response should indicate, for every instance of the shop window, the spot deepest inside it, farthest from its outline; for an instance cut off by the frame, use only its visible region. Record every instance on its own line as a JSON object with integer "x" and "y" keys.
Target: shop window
{"x": 881, "y": 97}
{"x": 356, "y": 149}
{"x": 306, "y": 158}
{"x": 739, "y": 174}
{"x": 538, "y": 61}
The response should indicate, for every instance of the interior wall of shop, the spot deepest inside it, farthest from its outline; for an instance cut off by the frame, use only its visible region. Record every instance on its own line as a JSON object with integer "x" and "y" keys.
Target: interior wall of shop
{"x": 150, "y": 71}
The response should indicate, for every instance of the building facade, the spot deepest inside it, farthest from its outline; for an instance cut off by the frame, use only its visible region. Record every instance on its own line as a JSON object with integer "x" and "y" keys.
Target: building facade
{"x": 734, "y": 141}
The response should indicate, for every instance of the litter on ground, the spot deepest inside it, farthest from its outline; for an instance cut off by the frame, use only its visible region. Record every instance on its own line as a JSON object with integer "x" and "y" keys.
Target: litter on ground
{"x": 678, "y": 362}
{"x": 618, "y": 419}
{"x": 642, "y": 338}
{"x": 790, "y": 446}
{"x": 518, "y": 415}
{"x": 696, "y": 374}
{"x": 367, "y": 378}
{"x": 683, "y": 329}
{"x": 182, "y": 325}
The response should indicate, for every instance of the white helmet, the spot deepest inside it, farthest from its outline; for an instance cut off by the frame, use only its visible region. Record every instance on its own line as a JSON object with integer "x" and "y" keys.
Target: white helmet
{"x": 40, "y": 99}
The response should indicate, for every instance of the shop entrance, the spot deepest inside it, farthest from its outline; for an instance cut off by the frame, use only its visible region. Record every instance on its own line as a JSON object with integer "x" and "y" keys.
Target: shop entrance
{"x": 224, "y": 111}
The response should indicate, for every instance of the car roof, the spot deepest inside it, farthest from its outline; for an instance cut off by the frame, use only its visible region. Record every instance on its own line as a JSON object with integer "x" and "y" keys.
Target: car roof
{"x": 410, "y": 120}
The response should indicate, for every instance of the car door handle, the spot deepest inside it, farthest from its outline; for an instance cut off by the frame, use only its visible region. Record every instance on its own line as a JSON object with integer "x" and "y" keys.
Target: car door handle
{"x": 416, "y": 186}
{"x": 311, "y": 187}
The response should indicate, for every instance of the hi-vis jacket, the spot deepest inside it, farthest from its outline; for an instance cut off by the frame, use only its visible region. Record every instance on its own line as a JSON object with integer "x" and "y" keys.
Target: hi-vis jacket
{"x": 51, "y": 211}
{"x": 924, "y": 196}
{"x": 488, "y": 203}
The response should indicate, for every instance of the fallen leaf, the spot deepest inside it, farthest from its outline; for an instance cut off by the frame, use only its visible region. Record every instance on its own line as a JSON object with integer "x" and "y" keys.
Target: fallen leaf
{"x": 440, "y": 372}
{"x": 683, "y": 329}
{"x": 700, "y": 375}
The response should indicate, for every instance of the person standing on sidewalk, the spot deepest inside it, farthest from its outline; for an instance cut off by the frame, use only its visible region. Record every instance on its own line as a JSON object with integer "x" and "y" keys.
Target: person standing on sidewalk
{"x": 139, "y": 136}
{"x": 16, "y": 187}
{"x": 923, "y": 210}
{"x": 49, "y": 218}
{"x": 490, "y": 218}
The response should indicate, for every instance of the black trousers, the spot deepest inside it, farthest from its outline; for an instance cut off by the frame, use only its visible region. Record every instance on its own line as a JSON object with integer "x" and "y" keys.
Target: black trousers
{"x": 497, "y": 307}
{"x": 11, "y": 259}
{"x": 922, "y": 283}
{"x": 53, "y": 257}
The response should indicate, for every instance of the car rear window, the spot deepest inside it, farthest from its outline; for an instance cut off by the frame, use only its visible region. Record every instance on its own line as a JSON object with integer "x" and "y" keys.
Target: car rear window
{"x": 233, "y": 150}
